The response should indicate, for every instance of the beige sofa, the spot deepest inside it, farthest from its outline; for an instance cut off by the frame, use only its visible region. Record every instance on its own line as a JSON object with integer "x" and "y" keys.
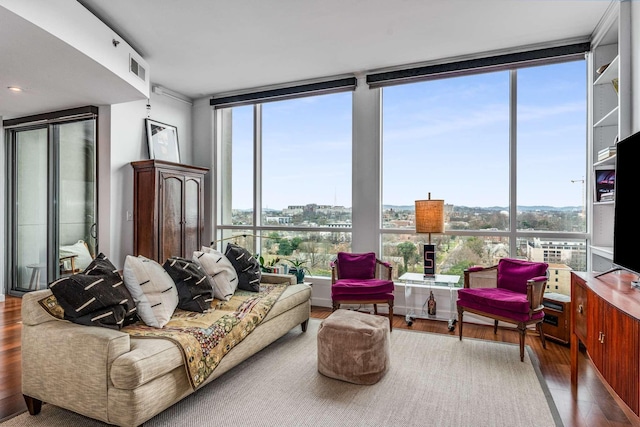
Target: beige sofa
{"x": 107, "y": 375}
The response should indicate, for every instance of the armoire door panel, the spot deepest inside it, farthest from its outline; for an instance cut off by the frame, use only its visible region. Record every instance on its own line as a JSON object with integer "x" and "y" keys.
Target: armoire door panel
{"x": 193, "y": 215}
{"x": 171, "y": 219}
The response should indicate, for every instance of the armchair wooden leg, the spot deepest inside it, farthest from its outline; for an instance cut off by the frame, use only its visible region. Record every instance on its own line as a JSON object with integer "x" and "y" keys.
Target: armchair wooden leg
{"x": 375, "y": 308}
{"x": 522, "y": 328}
{"x": 390, "y": 315}
{"x": 335, "y": 306}
{"x": 460, "y": 310}
{"x": 544, "y": 342}
{"x": 495, "y": 327}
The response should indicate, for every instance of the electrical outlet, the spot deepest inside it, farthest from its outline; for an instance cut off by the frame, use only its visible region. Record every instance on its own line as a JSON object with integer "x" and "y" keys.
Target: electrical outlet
{"x": 129, "y": 216}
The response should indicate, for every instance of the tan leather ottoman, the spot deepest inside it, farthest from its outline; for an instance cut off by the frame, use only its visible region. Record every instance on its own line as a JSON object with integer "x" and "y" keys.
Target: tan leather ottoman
{"x": 353, "y": 347}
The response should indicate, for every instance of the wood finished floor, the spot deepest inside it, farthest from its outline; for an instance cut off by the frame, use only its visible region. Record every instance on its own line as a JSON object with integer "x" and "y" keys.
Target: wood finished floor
{"x": 590, "y": 405}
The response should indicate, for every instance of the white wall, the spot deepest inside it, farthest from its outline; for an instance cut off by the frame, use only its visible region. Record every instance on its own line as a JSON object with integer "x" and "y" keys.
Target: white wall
{"x": 128, "y": 144}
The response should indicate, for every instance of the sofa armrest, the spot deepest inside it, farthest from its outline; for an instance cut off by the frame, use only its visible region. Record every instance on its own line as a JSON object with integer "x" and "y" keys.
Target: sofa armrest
{"x": 278, "y": 278}
{"x": 67, "y": 364}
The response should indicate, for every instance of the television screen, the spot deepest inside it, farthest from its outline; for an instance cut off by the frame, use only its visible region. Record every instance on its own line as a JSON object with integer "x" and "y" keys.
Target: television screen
{"x": 626, "y": 225}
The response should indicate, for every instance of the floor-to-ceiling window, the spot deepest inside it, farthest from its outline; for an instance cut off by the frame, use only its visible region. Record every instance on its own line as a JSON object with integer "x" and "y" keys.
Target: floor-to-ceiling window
{"x": 506, "y": 150}
{"x": 52, "y": 193}
{"x": 286, "y": 179}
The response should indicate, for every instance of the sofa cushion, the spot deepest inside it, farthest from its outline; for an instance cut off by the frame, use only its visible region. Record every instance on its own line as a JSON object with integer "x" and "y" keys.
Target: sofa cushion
{"x": 152, "y": 288}
{"x": 97, "y": 297}
{"x": 293, "y": 296}
{"x": 195, "y": 291}
{"x": 247, "y": 267}
{"x": 147, "y": 360}
{"x": 220, "y": 270}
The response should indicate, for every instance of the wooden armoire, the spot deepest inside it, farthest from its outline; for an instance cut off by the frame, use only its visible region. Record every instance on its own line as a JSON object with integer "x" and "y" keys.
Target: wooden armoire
{"x": 168, "y": 209}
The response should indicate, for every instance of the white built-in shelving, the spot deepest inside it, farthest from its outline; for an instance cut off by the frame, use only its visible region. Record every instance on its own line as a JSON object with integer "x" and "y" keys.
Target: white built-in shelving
{"x": 609, "y": 118}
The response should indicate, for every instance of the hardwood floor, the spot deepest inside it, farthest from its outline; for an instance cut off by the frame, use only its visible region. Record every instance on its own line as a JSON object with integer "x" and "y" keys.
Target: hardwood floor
{"x": 590, "y": 405}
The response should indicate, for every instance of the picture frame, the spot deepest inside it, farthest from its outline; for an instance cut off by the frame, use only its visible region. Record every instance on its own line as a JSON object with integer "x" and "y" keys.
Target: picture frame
{"x": 162, "y": 141}
{"x": 605, "y": 184}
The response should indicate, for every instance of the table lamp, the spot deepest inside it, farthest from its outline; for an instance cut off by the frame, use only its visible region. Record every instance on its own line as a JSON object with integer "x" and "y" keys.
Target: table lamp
{"x": 429, "y": 219}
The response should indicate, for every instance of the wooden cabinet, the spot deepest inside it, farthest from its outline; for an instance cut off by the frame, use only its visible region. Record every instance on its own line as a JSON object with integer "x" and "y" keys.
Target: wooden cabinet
{"x": 168, "y": 210}
{"x": 606, "y": 319}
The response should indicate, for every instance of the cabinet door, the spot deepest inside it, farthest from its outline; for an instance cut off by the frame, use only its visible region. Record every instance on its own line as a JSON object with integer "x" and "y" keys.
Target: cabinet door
{"x": 595, "y": 329}
{"x": 620, "y": 342}
{"x": 192, "y": 214}
{"x": 171, "y": 216}
{"x": 579, "y": 307}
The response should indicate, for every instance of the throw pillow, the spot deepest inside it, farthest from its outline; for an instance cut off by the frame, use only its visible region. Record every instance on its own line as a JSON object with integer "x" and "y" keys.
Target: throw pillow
{"x": 220, "y": 270}
{"x": 97, "y": 297}
{"x": 247, "y": 267}
{"x": 195, "y": 291}
{"x": 152, "y": 289}
{"x": 82, "y": 259}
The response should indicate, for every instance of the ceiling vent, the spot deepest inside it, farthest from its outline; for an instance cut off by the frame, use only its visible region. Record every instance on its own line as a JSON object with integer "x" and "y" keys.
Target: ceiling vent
{"x": 136, "y": 68}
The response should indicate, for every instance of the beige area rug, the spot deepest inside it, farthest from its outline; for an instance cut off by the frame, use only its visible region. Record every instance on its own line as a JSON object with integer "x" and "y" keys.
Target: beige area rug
{"x": 434, "y": 380}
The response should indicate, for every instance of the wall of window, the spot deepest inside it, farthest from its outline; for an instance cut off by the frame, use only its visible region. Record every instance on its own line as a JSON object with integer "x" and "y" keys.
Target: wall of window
{"x": 505, "y": 149}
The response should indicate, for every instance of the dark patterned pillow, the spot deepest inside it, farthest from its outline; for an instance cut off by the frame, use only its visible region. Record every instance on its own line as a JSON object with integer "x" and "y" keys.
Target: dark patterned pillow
{"x": 101, "y": 266}
{"x": 247, "y": 267}
{"x": 195, "y": 292}
{"x": 95, "y": 297}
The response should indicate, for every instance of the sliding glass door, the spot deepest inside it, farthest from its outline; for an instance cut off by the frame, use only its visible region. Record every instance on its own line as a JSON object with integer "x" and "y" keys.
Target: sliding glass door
{"x": 52, "y": 195}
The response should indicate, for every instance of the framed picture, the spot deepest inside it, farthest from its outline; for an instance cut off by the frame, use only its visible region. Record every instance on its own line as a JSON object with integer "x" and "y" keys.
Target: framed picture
{"x": 163, "y": 141}
{"x": 605, "y": 184}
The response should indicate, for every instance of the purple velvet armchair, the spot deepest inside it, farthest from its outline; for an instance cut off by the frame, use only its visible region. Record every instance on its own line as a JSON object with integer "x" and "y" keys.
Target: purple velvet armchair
{"x": 362, "y": 279}
{"x": 511, "y": 292}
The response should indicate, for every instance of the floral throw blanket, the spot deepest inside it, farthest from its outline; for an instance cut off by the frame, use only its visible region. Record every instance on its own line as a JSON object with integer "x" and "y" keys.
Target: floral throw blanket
{"x": 205, "y": 338}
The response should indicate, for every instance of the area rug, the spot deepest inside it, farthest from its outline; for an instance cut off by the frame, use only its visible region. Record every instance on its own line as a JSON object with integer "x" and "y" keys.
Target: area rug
{"x": 433, "y": 380}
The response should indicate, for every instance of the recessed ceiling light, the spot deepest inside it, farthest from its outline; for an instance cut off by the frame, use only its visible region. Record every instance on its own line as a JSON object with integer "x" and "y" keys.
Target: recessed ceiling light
{"x": 14, "y": 88}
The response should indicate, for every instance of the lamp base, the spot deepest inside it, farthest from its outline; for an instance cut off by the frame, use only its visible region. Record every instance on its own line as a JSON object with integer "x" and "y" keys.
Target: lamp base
{"x": 429, "y": 257}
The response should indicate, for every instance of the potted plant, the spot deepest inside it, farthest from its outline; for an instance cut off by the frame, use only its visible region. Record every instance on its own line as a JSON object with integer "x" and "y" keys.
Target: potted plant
{"x": 298, "y": 268}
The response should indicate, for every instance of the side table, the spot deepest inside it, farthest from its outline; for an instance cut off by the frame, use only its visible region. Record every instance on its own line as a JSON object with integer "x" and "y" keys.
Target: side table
{"x": 415, "y": 281}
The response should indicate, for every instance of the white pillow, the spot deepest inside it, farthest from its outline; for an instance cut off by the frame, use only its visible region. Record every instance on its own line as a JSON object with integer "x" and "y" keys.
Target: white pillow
{"x": 152, "y": 289}
{"x": 222, "y": 273}
{"x": 83, "y": 258}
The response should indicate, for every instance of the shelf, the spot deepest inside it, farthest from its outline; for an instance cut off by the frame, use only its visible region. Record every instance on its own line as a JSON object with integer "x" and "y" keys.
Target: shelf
{"x": 611, "y": 202}
{"x": 611, "y": 119}
{"x": 609, "y": 161}
{"x": 603, "y": 251}
{"x": 609, "y": 74}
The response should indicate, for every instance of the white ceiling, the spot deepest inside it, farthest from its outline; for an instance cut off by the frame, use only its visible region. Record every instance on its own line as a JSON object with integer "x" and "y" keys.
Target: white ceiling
{"x": 202, "y": 47}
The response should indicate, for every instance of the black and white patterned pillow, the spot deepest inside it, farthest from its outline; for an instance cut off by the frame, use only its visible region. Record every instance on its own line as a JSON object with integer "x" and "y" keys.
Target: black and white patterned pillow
{"x": 195, "y": 292}
{"x": 96, "y": 297}
{"x": 247, "y": 267}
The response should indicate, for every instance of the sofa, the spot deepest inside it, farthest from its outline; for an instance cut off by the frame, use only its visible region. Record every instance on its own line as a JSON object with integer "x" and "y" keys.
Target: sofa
{"x": 113, "y": 377}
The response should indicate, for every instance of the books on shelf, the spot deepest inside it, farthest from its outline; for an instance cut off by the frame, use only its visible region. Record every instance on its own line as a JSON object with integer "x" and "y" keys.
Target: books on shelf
{"x": 607, "y": 152}
{"x": 606, "y": 197}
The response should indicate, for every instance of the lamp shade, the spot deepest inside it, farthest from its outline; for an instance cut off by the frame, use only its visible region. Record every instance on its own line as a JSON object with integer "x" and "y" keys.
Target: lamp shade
{"x": 430, "y": 216}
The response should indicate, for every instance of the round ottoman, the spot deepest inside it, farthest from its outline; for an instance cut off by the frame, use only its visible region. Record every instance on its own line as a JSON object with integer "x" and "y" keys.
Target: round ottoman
{"x": 353, "y": 347}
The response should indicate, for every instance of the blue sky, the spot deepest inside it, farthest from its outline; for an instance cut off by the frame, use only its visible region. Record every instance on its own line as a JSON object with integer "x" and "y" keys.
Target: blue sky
{"x": 448, "y": 137}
